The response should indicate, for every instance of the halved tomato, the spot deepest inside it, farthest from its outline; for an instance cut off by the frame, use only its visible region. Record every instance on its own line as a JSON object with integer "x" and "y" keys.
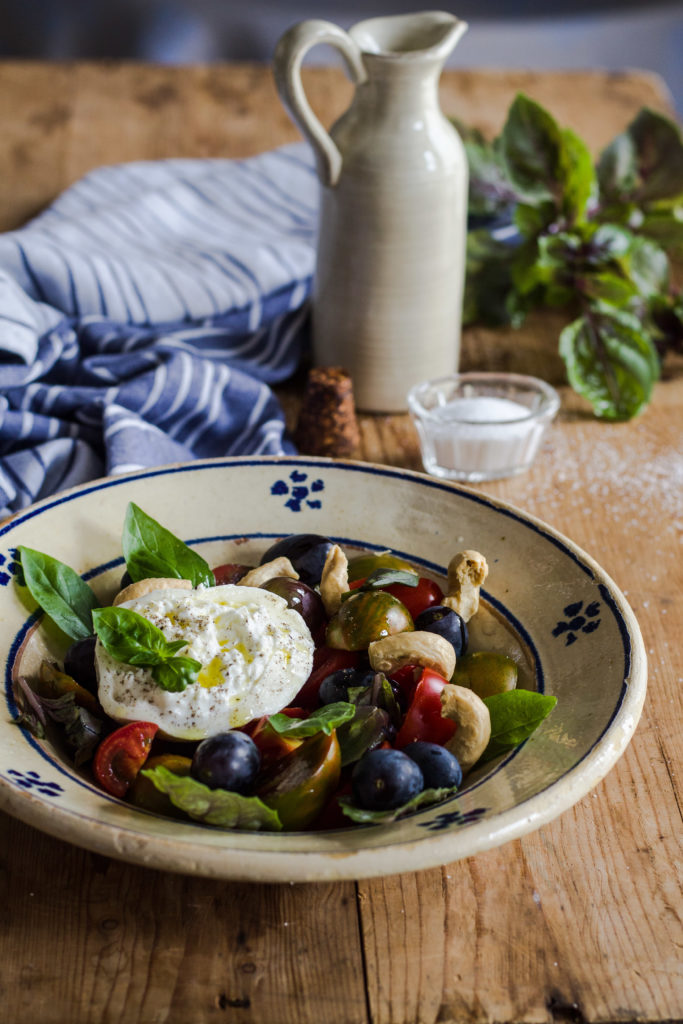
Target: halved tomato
{"x": 119, "y": 757}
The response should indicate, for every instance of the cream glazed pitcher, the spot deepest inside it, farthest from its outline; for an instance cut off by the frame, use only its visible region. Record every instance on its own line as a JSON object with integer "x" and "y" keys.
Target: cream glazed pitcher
{"x": 387, "y": 293}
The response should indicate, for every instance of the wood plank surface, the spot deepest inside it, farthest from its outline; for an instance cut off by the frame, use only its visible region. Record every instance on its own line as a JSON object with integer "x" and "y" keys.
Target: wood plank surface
{"x": 577, "y": 922}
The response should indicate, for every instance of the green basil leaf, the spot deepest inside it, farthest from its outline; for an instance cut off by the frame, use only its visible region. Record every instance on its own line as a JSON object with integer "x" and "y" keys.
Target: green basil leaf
{"x": 60, "y": 592}
{"x": 514, "y": 716}
{"x": 129, "y": 637}
{"x": 173, "y": 646}
{"x": 424, "y": 799}
{"x": 536, "y": 264}
{"x": 325, "y": 719}
{"x": 385, "y": 577}
{"x": 214, "y": 806}
{"x": 617, "y": 173}
{"x": 381, "y": 578}
{"x": 363, "y": 732}
{"x": 530, "y": 220}
{"x": 609, "y": 242}
{"x": 487, "y": 279}
{"x": 490, "y": 188}
{"x": 659, "y": 156}
{"x": 611, "y": 361}
{"x": 380, "y": 695}
{"x": 644, "y": 163}
{"x": 151, "y": 550}
{"x": 647, "y": 266}
{"x": 609, "y": 287}
{"x": 664, "y": 225}
{"x": 532, "y": 147}
{"x": 579, "y": 183}
{"x": 176, "y": 674}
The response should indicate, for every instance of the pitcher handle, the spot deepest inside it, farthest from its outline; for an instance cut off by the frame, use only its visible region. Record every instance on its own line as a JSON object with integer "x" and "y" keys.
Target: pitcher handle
{"x": 287, "y": 60}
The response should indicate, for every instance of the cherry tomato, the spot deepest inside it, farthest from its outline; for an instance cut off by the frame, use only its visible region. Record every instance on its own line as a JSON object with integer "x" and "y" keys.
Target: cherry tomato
{"x": 143, "y": 793}
{"x": 299, "y": 785}
{"x": 231, "y": 572}
{"x": 423, "y": 720}
{"x": 270, "y": 744}
{"x": 407, "y": 678}
{"x": 415, "y": 599}
{"x": 119, "y": 757}
{"x": 360, "y": 566}
{"x": 366, "y": 616}
{"x": 325, "y": 661}
{"x": 53, "y": 683}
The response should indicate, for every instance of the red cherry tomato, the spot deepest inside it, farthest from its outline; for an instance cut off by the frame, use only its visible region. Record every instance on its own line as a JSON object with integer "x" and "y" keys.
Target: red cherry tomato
{"x": 271, "y": 745}
{"x": 231, "y": 572}
{"x": 423, "y": 720}
{"x": 325, "y": 661}
{"x": 415, "y": 599}
{"x": 407, "y": 678}
{"x": 121, "y": 755}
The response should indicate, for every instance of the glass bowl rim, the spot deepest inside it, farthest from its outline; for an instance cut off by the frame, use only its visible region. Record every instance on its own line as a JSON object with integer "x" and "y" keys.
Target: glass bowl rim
{"x": 547, "y": 410}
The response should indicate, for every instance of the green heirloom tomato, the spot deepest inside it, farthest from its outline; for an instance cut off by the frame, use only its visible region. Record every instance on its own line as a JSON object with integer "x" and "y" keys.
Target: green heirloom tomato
{"x": 143, "y": 793}
{"x": 299, "y": 785}
{"x": 367, "y": 616}
{"x": 53, "y": 683}
{"x": 486, "y": 673}
{"x": 362, "y": 565}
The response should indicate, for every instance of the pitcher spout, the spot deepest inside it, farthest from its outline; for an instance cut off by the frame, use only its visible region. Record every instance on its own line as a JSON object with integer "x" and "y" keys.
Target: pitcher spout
{"x": 425, "y": 34}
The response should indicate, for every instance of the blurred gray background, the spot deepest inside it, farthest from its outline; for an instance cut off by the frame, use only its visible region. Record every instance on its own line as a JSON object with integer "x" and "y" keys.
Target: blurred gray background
{"x": 608, "y": 34}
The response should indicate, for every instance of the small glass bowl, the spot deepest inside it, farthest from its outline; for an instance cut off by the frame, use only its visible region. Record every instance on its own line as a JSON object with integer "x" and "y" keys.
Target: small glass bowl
{"x": 481, "y": 426}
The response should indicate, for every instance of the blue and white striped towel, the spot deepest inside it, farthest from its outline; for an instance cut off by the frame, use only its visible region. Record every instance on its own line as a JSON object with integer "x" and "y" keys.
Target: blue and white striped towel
{"x": 145, "y": 313}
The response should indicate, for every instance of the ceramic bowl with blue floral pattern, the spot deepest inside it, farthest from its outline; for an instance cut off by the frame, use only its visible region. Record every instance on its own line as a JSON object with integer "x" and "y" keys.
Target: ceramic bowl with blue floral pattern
{"x": 545, "y": 601}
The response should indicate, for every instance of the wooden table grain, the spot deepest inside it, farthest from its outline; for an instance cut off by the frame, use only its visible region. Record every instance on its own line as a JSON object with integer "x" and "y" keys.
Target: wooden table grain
{"x": 577, "y": 922}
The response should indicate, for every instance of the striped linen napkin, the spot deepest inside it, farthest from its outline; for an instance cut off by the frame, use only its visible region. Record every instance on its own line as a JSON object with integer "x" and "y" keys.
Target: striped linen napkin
{"x": 144, "y": 315}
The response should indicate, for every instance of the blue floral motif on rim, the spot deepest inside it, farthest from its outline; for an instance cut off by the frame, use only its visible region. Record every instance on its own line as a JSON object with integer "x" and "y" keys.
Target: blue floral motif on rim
{"x": 9, "y": 567}
{"x": 32, "y": 780}
{"x": 448, "y": 818}
{"x": 297, "y": 490}
{"x": 579, "y": 620}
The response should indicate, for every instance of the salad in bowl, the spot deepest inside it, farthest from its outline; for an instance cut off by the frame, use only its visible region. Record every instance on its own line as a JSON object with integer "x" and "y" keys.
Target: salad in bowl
{"x": 319, "y": 689}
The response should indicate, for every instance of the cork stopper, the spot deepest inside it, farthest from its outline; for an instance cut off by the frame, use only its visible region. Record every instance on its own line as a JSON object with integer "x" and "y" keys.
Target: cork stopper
{"x": 327, "y": 423}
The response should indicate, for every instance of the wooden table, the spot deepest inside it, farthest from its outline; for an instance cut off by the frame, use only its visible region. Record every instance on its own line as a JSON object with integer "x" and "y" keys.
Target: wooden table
{"x": 577, "y": 922}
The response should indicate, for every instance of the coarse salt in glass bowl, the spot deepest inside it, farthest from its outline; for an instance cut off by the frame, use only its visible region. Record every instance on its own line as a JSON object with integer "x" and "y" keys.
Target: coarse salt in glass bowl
{"x": 481, "y": 426}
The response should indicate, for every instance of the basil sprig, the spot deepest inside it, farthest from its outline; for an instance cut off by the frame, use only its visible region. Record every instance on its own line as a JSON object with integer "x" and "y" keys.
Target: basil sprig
{"x": 213, "y": 806}
{"x": 325, "y": 720}
{"x": 151, "y": 550}
{"x": 514, "y": 716}
{"x": 60, "y": 592}
{"x": 594, "y": 240}
{"x": 132, "y": 639}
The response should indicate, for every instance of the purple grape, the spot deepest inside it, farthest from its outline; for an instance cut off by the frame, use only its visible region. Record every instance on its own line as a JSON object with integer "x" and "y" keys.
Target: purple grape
{"x": 302, "y": 598}
{"x": 440, "y": 768}
{"x": 79, "y": 663}
{"x": 385, "y": 779}
{"x": 228, "y": 760}
{"x": 447, "y": 623}
{"x": 307, "y": 553}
